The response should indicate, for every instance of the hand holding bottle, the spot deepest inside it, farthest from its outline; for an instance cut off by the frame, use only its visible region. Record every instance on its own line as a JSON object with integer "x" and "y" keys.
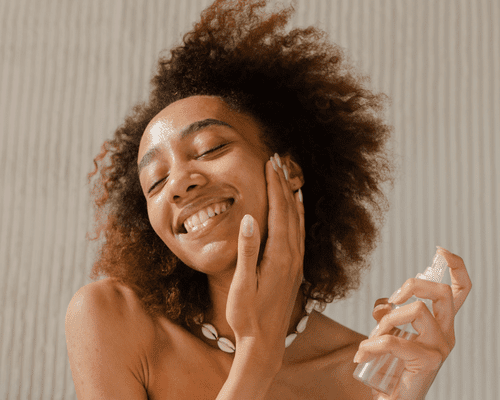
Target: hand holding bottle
{"x": 423, "y": 354}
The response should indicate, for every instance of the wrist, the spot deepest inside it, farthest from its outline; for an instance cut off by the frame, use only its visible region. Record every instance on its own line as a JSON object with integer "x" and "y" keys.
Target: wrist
{"x": 249, "y": 351}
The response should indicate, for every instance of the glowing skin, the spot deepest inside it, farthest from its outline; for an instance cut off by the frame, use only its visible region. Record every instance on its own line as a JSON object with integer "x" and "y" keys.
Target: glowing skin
{"x": 235, "y": 170}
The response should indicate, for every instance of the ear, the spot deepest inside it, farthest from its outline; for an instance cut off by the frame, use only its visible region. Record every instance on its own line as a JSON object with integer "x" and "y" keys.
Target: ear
{"x": 296, "y": 177}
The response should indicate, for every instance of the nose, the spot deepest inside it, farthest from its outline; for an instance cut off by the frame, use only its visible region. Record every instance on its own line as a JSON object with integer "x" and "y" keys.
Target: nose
{"x": 183, "y": 180}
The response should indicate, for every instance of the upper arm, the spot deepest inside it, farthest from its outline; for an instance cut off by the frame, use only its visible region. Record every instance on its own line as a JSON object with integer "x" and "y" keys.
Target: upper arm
{"x": 102, "y": 351}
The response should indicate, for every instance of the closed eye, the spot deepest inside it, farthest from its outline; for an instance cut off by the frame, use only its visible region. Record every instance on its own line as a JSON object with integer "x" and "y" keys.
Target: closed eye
{"x": 213, "y": 149}
{"x": 207, "y": 152}
{"x": 155, "y": 184}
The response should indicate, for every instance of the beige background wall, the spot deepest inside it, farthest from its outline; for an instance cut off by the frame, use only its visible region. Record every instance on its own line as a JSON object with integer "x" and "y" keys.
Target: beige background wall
{"x": 70, "y": 71}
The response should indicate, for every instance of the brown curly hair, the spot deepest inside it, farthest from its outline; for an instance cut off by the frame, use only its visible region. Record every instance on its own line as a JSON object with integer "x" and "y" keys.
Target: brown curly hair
{"x": 311, "y": 104}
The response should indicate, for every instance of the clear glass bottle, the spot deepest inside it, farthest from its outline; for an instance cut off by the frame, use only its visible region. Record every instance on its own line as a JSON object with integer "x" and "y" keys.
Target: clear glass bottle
{"x": 383, "y": 372}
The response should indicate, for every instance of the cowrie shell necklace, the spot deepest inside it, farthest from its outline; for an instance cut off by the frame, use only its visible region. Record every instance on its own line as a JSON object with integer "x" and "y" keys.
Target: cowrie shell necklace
{"x": 227, "y": 346}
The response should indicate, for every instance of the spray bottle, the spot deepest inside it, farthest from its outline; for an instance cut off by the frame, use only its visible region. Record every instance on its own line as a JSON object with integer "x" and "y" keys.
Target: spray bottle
{"x": 383, "y": 372}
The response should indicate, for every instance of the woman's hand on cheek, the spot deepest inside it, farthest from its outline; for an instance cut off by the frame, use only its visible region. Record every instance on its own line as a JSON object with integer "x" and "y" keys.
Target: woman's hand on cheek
{"x": 424, "y": 355}
{"x": 261, "y": 298}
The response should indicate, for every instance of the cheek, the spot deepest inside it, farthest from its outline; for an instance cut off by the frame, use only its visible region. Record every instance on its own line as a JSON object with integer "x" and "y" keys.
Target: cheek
{"x": 158, "y": 217}
{"x": 254, "y": 192}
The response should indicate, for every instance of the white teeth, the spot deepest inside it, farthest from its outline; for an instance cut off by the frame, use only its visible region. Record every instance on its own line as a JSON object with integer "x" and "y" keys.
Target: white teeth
{"x": 200, "y": 218}
{"x": 203, "y": 216}
{"x": 194, "y": 220}
{"x": 217, "y": 208}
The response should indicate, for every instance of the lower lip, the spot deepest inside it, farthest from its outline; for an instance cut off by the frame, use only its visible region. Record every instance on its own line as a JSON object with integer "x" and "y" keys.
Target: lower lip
{"x": 209, "y": 224}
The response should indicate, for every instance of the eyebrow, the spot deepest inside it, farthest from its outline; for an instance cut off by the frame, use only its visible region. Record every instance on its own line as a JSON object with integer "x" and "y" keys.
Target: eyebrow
{"x": 152, "y": 153}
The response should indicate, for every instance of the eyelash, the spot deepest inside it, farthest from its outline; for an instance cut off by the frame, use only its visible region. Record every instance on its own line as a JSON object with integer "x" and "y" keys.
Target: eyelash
{"x": 207, "y": 152}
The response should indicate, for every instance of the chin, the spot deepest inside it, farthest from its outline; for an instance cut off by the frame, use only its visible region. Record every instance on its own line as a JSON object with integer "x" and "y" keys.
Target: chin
{"x": 214, "y": 257}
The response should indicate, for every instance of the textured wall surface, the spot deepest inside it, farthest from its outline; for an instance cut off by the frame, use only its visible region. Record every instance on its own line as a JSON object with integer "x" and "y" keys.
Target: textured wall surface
{"x": 71, "y": 70}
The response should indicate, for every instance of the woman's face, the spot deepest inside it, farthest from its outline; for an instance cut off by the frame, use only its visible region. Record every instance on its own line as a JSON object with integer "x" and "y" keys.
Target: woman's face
{"x": 203, "y": 158}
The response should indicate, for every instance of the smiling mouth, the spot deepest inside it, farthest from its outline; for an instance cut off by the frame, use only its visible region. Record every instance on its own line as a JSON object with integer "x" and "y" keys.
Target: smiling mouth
{"x": 203, "y": 217}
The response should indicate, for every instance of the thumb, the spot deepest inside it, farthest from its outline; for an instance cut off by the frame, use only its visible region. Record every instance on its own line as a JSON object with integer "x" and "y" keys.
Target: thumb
{"x": 248, "y": 251}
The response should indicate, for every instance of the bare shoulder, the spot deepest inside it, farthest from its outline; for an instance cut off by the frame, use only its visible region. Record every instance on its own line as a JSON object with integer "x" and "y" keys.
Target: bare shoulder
{"x": 331, "y": 336}
{"x": 108, "y": 298}
{"x": 107, "y": 339}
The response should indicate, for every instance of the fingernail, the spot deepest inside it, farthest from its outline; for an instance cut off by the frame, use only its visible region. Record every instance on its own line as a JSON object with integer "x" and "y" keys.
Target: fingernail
{"x": 285, "y": 171}
{"x": 277, "y": 158}
{"x": 394, "y": 296}
{"x": 274, "y": 164}
{"x": 300, "y": 196}
{"x": 374, "y": 331}
{"x": 444, "y": 250}
{"x": 247, "y": 225}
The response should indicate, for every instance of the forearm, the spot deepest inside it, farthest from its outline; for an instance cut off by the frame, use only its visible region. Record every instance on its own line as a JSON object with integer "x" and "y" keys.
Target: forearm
{"x": 250, "y": 378}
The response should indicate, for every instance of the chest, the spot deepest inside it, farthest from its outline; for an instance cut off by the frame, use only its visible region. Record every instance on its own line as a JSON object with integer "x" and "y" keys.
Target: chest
{"x": 199, "y": 372}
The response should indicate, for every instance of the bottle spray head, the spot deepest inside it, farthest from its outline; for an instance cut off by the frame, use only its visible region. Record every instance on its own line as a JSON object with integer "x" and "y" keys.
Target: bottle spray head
{"x": 435, "y": 272}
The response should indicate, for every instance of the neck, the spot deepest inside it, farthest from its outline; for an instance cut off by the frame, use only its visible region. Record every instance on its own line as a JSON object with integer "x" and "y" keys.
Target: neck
{"x": 219, "y": 290}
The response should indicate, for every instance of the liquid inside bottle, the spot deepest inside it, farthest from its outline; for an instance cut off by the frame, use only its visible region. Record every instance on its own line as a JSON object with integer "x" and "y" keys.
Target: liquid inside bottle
{"x": 383, "y": 372}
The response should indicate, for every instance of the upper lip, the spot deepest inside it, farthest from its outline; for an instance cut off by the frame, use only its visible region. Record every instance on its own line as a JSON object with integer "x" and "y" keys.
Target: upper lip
{"x": 194, "y": 207}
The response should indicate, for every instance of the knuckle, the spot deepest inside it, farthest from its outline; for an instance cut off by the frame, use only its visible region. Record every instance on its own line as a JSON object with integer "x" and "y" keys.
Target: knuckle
{"x": 457, "y": 261}
{"x": 421, "y": 307}
{"x": 452, "y": 343}
{"x": 411, "y": 283}
{"x": 447, "y": 290}
{"x": 447, "y": 350}
{"x": 389, "y": 340}
{"x": 249, "y": 251}
{"x": 384, "y": 322}
{"x": 435, "y": 358}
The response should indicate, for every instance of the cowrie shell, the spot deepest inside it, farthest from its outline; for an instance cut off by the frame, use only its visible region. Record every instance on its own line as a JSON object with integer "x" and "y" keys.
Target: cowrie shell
{"x": 209, "y": 331}
{"x": 320, "y": 306}
{"x": 302, "y": 324}
{"x": 310, "y": 305}
{"x": 226, "y": 345}
{"x": 289, "y": 339}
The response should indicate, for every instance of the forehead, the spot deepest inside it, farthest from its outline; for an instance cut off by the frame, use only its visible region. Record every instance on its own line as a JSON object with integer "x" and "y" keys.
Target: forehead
{"x": 168, "y": 123}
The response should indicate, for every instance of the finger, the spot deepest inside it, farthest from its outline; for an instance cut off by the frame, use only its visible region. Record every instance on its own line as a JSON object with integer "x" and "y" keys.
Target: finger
{"x": 292, "y": 216}
{"x": 278, "y": 208}
{"x": 245, "y": 275}
{"x": 296, "y": 207}
{"x": 299, "y": 201}
{"x": 287, "y": 191}
{"x": 416, "y": 313}
{"x": 287, "y": 216}
{"x": 415, "y": 354}
{"x": 282, "y": 236}
{"x": 441, "y": 295}
{"x": 461, "y": 284}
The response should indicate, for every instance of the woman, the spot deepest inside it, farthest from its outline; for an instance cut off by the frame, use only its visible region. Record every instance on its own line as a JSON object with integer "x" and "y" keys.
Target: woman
{"x": 245, "y": 188}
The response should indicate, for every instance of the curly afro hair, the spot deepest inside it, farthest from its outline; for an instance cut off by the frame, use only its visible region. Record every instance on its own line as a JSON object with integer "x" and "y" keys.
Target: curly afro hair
{"x": 311, "y": 104}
